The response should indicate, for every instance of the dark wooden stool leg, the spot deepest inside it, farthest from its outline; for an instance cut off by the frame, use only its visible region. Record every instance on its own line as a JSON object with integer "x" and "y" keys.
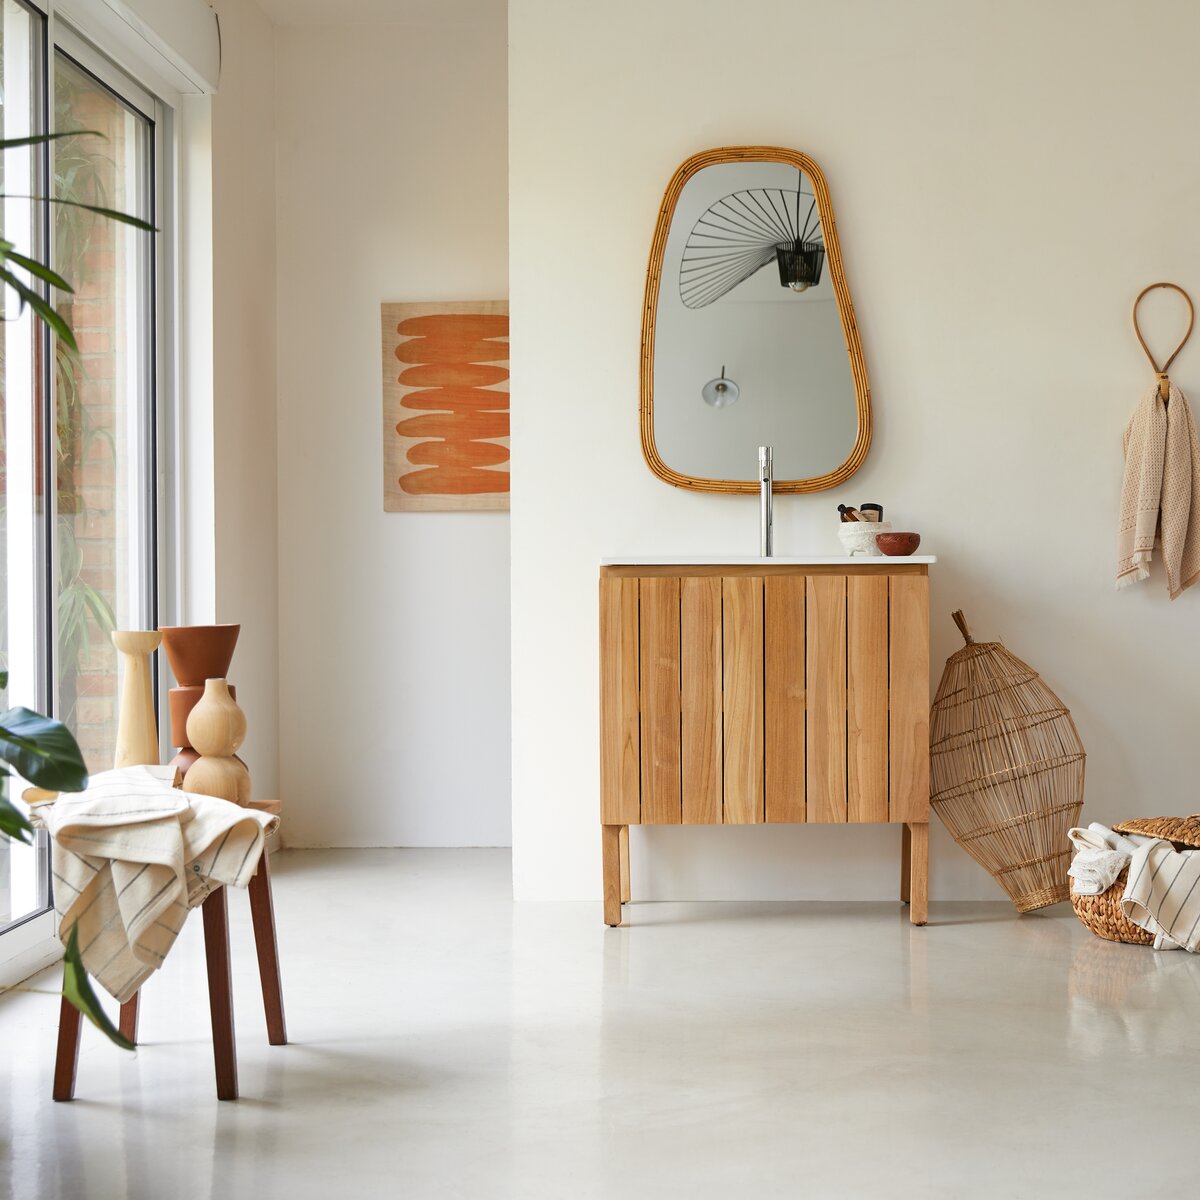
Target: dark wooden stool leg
{"x": 220, "y": 996}
{"x": 262, "y": 913}
{"x": 905, "y": 863}
{"x": 129, "y": 1017}
{"x": 66, "y": 1061}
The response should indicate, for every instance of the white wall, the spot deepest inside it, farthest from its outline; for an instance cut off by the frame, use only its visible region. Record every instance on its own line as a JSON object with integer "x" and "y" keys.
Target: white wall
{"x": 1005, "y": 178}
{"x": 393, "y": 627}
{"x": 243, "y": 383}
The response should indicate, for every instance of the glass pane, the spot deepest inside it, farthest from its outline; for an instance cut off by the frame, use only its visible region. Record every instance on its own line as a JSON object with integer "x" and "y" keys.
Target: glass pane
{"x": 102, "y": 402}
{"x": 22, "y": 868}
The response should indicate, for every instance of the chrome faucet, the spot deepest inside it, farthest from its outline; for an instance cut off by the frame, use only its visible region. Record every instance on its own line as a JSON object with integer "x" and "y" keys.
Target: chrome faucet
{"x": 767, "y": 517}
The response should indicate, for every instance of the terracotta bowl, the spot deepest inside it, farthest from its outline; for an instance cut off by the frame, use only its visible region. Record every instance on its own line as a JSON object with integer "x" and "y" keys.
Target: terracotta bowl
{"x": 183, "y": 760}
{"x": 182, "y": 700}
{"x": 897, "y": 545}
{"x": 199, "y": 652}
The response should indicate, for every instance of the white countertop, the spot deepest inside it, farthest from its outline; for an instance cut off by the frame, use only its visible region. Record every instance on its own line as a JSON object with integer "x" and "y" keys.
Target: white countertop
{"x": 751, "y": 560}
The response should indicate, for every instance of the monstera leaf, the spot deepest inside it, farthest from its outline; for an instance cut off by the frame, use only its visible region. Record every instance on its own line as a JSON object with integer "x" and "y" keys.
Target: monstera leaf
{"x": 41, "y": 750}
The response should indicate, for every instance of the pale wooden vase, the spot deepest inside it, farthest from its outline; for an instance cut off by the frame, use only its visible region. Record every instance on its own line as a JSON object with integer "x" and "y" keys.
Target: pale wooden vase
{"x": 137, "y": 727}
{"x": 216, "y": 727}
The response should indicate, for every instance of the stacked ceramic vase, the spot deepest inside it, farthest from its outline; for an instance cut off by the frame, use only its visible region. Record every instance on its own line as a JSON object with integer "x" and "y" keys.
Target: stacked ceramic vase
{"x": 200, "y": 656}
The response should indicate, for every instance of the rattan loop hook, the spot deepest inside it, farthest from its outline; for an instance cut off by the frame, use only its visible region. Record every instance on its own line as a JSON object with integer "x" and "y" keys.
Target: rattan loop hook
{"x": 1161, "y": 372}
{"x": 961, "y": 622}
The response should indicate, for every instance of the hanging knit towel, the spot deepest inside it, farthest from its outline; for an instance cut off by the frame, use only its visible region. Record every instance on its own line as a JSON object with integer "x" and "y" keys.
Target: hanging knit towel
{"x": 1162, "y": 480}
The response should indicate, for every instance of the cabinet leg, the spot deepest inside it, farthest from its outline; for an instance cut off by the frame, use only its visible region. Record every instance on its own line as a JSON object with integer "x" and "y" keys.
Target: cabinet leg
{"x": 905, "y": 863}
{"x": 624, "y": 864}
{"x": 918, "y": 912}
{"x": 611, "y": 847}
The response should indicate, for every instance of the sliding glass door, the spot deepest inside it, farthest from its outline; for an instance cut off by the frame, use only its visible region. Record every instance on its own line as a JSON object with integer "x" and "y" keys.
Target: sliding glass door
{"x": 24, "y": 629}
{"x": 78, "y": 461}
{"x": 104, "y": 400}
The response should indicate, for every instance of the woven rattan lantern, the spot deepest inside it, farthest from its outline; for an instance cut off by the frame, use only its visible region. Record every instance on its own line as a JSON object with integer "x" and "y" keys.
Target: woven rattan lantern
{"x": 1007, "y": 770}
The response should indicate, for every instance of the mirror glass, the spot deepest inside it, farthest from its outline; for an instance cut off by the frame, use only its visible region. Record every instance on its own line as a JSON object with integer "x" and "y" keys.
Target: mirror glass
{"x": 752, "y": 336}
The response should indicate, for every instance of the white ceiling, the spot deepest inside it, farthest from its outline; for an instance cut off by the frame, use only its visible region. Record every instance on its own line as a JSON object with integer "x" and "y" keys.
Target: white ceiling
{"x": 371, "y": 12}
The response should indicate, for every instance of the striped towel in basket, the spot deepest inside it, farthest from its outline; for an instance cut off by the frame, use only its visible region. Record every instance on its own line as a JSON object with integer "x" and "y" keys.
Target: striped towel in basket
{"x": 1163, "y": 895}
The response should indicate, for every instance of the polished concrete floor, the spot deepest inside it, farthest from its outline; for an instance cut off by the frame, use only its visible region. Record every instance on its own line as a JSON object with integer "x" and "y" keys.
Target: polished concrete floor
{"x": 447, "y": 1043}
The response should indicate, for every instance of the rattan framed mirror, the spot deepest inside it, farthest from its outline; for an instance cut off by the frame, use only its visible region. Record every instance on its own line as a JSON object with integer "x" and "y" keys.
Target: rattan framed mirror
{"x": 748, "y": 331}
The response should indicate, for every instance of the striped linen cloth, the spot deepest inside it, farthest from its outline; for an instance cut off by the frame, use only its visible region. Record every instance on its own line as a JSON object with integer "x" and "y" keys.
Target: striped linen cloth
{"x": 1163, "y": 894}
{"x": 131, "y": 855}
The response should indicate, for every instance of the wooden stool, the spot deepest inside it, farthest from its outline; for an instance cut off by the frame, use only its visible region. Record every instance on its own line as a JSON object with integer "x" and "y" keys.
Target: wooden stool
{"x": 220, "y": 994}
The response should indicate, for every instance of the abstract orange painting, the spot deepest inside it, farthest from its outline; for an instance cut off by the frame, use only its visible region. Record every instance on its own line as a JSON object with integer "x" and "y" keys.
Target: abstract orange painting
{"x": 445, "y": 406}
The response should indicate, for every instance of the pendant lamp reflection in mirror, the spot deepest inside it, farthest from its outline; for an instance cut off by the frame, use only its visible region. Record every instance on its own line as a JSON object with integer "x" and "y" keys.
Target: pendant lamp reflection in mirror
{"x": 740, "y": 234}
{"x": 720, "y": 393}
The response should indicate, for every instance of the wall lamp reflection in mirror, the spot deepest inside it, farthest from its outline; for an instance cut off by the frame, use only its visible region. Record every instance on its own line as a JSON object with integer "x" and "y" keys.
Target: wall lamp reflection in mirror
{"x": 720, "y": 393}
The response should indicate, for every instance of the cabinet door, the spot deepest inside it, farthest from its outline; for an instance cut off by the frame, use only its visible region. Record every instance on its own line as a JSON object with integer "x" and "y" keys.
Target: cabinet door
{"x": 784, "y": 686}
{"x": 909, "y": 698}
{"x": 867, "y": 697}
{"x": 620, "y": 724}
{"x": 701, "y": 709}
{"x": 826, "y": 670}
{"x": 659, "y": 623}
{"x": 742, "y": 597}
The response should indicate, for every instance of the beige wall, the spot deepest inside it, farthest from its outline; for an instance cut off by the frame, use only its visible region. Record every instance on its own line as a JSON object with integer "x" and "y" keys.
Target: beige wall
{"x": 393, "y": 672}
{"x": 244, "y": 384}
{"x": 1005, "y": 176}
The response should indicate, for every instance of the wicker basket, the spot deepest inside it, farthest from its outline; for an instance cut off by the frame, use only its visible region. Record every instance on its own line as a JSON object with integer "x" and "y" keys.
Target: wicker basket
{"x": 1102, "y": 914}
{"x": 1007, "y": 770}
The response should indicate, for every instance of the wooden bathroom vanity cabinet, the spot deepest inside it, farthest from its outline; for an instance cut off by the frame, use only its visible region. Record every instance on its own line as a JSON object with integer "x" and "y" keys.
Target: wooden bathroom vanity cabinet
{"x": 784, "y": 691}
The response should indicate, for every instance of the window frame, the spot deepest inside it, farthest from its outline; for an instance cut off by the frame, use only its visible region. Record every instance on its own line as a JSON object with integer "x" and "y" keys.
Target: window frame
{"x": 29, "y": 942}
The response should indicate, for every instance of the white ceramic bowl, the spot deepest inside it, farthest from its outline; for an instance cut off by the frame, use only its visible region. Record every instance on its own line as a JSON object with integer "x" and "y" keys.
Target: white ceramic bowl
{"x": 858, "y": 537}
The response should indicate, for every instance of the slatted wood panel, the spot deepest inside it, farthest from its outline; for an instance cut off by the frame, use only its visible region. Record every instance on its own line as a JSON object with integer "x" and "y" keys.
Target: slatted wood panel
{"x": 660, "y": 702}
{"x": 702, "y": 739}
{"x": 742, "y": 603}
{"x": 826, "y": 671}
{"x": 775, "y": 697}
{"x": 909, "y": 665}
{"x": 620, "y": 724}
{"x": 784, "y": 697}
{"x": 867, "y": 698}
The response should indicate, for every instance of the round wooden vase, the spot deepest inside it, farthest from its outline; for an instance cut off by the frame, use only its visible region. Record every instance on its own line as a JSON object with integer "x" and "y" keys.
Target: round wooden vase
{"x": 182, "y": 700}
{"x": 216, "y": 727}
{"x": 137, "y": 727}
{"x": 199, "y": 652}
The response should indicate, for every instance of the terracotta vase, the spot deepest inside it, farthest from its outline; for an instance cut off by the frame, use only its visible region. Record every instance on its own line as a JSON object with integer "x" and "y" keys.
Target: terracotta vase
{"x": 216, "y": 727}
{"x": 182, "y": 700}
{"x": 137, "y": 727}
{"x": 185, "y": 758}
{"x": 199, "y": 652}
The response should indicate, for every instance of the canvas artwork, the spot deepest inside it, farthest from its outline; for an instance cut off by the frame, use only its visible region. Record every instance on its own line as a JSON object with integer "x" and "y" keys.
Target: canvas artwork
{"x": 445, "y": 406}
